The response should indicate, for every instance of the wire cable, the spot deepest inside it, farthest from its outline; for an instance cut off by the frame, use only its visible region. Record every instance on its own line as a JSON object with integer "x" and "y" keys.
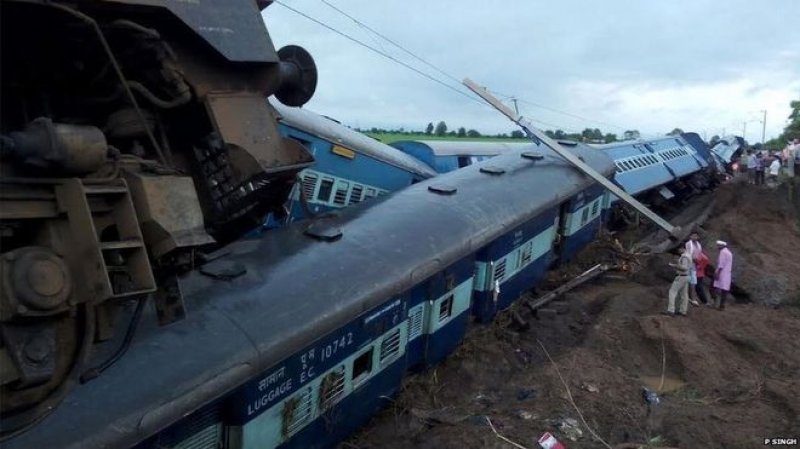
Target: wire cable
{"x": 395, "y": 60}
{"x": 382, "y": 53}
{"x": 409, "y": 52}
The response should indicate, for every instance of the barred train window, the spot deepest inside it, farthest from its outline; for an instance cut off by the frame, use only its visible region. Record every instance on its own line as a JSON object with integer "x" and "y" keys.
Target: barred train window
{"x": 585, "y": 216}
{"x": 594, "y": 207}
{"x": 341, "y": 193}
{"x": 332, "y": 388}
{"x": 296, "y": 413}
{"x": 446, "y": 308}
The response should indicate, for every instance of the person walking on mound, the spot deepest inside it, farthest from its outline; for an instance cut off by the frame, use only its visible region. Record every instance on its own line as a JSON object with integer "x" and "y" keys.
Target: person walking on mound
{"x": 722, "y": 275}
{"x": 700, "y": 289}
{"x": 680, "y": 285}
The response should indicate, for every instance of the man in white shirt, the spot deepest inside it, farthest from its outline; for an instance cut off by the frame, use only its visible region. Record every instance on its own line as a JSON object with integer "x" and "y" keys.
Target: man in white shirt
{"x": 693, "y": 250}
{"x": 774, "y": 170}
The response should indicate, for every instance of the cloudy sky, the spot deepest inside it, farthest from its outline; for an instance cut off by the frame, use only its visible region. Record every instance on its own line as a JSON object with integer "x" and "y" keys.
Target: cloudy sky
{"x": 701, "y": 65}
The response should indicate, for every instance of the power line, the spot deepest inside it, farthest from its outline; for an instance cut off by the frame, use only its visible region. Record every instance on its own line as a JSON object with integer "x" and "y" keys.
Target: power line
{"x": 395, "y": 60}
{"x": 569, "y": 114}
{"x": 384, "y": 54}
{"x": 409, "y": 52}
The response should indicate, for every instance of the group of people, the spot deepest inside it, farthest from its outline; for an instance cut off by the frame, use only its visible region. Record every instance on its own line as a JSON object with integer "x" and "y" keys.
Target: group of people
{"x": 759, "y": 165}
{"x": 756, "y": 165}
{"x": 689, "y": 283}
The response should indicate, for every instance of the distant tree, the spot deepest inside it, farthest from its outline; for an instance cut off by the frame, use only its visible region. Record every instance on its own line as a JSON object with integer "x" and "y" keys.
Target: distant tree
{"x": 429, "y": 129}
{"x": 587, "y": 134}
{"x": 631, "y": 134}
{"x": 452, "y": 133}
{"x": 441, "y": 129}
{"x": 374, "y": 130}
{"x": 560, "y": 134}
{"x": 462, "y": 132}
{"x": 714, "y": 140}
{"x": 501, "y": 135}
{"x": 790, "y": 132}
{"x": 608, "y": 138}
{"x": 675, "y": 132}
{"x": 517, "y": 134}
{"x": 473, "y": 133}
{"x": 550, "y": 133}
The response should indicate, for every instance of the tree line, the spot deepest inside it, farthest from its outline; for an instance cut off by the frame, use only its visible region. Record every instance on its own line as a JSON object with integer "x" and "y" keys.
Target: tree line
{"x": 790, "y": 132}
{"x": 588, "y": 135}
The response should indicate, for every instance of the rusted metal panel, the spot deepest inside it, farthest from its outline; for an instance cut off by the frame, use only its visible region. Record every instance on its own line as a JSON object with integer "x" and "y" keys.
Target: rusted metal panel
{"x": 233, "y": 27}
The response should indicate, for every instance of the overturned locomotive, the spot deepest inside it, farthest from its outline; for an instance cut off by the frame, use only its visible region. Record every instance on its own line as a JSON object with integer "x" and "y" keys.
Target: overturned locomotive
{"x": 134, "y": 136}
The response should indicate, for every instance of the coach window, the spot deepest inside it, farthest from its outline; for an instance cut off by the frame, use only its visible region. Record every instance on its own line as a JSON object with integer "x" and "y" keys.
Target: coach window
{"x": 325, "y": 190}
{"x": 585, "y": 216}
{"x": 362, "y": 366}
{"x": 446, "y": 308}
{"x": 463, "y": 161}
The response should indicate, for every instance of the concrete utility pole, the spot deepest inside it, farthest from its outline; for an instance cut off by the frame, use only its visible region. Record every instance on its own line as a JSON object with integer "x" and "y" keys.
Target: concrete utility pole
{"x": 515, "y": 105}
{"x": 764, "y": 127}
{"x": 534, "y": 133}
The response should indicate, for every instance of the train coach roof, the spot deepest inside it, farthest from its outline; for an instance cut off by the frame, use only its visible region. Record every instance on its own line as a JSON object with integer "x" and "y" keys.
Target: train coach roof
{"x": 337, "y": 133}
{"x": 466, "y": 147}
{"x": 296, "y": 289}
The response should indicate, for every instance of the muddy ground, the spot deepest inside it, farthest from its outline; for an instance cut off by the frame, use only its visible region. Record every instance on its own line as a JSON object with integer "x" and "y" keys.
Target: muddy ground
{"x": 725, "y": 379}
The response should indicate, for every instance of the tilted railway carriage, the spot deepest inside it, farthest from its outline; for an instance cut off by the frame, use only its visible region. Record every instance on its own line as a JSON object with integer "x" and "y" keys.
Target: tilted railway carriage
{"x": 449, "y": 155}
{"x": 349, "y": 167}
{"x": 297, "y": 337}
{"x": 659, "y": 170}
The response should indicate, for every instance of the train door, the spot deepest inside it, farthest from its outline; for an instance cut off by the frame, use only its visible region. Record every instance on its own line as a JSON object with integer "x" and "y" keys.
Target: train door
{"x": 561, "y": 227}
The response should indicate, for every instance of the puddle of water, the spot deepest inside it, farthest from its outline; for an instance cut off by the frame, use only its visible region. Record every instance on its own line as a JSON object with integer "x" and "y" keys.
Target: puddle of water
{"x": 670, "y": 383}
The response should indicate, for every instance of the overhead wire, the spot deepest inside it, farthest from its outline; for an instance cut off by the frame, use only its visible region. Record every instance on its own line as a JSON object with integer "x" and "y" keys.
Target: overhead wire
{"x": 547, "y": 108}
{"x": 382, "y": 53}
{"x": 394, "y": 59}
{"x": 387, "y": 39}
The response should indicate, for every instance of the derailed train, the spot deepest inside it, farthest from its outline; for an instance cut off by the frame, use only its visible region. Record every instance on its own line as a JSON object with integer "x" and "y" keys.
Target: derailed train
{"x": 297, "y": 337}
{"x": 290, "y": 339}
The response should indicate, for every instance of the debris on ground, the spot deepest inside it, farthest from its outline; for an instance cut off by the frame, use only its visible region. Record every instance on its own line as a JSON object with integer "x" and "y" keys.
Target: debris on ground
{"x": 721, "y": 379}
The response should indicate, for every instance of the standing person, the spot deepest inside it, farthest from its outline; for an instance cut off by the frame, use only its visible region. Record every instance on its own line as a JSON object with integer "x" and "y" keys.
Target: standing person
{"x": 751, "y": 167}
{"x": 722, "y": 274}
{"x": 744, "y": 162}
{"x": 680, "y": 285}
{"x": 774, "y": 170}
{"x": 700, "y": 288}
{"x": 759, "y": 169}
{"x": 693, "y": 248}
{"x": 791, "y": 160}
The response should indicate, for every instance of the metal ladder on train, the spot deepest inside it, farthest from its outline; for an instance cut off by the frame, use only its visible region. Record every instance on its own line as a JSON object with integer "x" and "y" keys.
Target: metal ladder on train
{"x": 536, "y": 134}
{"x": 115, "y": 265}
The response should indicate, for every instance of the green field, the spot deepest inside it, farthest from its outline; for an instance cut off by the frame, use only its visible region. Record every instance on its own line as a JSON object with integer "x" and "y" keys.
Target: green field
{"x": 394, "y": 137}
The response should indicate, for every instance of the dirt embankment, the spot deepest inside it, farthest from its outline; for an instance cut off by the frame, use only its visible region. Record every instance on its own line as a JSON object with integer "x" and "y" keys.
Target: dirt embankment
{"x": 726, "y": 379}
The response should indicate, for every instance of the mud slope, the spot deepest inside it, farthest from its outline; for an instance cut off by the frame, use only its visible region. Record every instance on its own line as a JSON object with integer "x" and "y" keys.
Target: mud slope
{"x": 726, "y": 379}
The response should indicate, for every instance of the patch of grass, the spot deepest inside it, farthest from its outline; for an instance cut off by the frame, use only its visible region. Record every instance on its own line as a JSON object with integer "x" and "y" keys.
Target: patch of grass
{"x": 688, "y": 394}
{"x": 394, "y": 137}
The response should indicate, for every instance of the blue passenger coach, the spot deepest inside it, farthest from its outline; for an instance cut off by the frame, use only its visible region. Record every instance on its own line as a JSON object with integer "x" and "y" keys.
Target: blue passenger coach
{"x": 312, "y": 328}
{"x": 659, "y": 170}
{"x": 448, "y": 155}
{"x": 349, "y": 167}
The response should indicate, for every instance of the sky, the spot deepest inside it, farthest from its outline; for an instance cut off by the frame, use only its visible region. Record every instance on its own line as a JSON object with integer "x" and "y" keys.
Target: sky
{"x": 706, "y": 66}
